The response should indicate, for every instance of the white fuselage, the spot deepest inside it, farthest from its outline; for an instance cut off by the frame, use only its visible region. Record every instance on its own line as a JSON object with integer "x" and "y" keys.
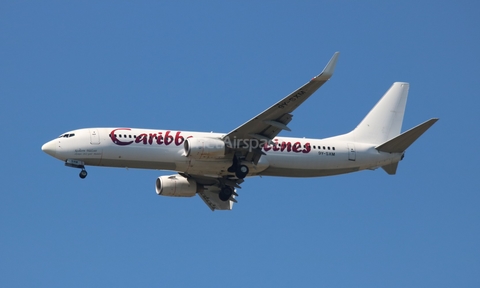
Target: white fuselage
{"x": 213, "y": 165}
{"x": 164, "y": 150}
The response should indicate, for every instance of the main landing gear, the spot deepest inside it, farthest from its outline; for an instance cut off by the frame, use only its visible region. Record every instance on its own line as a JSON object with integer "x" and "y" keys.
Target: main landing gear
{"x": 77, "y": 164}
{"x": 240, "y": 170}
{"x": 225, "y": 193}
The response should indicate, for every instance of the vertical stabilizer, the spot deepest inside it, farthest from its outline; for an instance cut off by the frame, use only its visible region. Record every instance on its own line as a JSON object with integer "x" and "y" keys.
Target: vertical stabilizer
{"x": 384, "y": 121}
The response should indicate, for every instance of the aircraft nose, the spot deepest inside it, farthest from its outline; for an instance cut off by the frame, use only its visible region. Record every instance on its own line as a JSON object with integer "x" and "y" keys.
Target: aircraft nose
{"x": 50, "y": 148}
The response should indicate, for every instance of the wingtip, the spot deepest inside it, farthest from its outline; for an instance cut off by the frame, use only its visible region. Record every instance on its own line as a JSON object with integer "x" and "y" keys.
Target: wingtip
{"x": 432, "y": 120}
{"x": 330, "y": 68}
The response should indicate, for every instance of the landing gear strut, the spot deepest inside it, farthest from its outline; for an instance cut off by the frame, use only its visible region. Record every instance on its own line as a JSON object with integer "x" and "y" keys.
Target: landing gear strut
{"x": 238, "y": 168}
{"x": 77, "y": 164}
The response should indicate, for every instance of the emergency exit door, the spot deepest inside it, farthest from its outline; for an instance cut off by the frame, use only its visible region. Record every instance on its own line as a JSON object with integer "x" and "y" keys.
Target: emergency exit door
{"x": 352, "y": 155}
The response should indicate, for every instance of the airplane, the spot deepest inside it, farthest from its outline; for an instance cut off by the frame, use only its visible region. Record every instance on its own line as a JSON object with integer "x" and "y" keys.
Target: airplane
{"x": 213, "y": 165}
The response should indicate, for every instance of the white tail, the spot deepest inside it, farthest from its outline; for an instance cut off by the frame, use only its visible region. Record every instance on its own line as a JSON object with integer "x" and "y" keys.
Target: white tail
{"x": 384, "y": 121}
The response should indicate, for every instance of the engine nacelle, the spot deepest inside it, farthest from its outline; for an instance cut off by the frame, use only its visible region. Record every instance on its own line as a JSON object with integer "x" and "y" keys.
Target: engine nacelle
{"x": 176, "y": 186}
{"x": 204, "y": 148}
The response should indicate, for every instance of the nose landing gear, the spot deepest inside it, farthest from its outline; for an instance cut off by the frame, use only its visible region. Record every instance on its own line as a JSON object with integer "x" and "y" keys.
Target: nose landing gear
{"x": 77, "y": 164}
{"x": 83, "y": 173}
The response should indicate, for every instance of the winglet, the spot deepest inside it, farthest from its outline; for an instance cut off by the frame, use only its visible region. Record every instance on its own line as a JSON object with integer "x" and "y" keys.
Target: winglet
{"x": 328, "y": 70}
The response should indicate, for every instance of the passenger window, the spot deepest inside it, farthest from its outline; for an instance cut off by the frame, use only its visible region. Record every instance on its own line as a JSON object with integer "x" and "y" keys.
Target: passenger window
{"x": 129, "y": 136}
{"x": 328, "y": 147}
{"x": 314, "y": 147}
{"x": 323, "y": 147}
{"x": 333, "y": 148}
{"x": 120, "y": 135}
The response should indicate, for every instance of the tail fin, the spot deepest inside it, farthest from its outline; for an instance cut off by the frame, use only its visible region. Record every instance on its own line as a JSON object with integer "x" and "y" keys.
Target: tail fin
{"x": 384, "y": 121}
{"x": 383, "y": 124}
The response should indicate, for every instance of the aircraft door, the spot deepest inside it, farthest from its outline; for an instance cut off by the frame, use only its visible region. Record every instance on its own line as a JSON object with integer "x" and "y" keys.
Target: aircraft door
{"x": 352, "y": 155}
{"x": 94, "y": 137}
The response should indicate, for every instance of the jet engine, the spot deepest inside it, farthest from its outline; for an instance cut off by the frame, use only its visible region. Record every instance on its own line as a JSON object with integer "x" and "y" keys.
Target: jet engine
{"x": 176, "y": 185}
{"x": 204, "y": 148}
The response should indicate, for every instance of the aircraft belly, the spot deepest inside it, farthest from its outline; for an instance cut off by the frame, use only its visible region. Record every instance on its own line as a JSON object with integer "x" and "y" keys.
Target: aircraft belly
{"x": 314, "y": 164}
{"x": 123, "y": 163}
{"x": 217, "y": 167}
{"x": 310, "y": 161}
{"x": 288, "y": 172}
{"x": 146, "y": 157}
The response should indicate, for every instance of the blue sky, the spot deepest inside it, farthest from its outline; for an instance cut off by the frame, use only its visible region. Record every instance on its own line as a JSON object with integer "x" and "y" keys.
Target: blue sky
{"x": 210, "y": 66}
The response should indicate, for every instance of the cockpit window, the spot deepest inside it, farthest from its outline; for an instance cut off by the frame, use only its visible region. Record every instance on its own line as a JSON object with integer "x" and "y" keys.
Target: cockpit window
{"x": 66, "y": 135}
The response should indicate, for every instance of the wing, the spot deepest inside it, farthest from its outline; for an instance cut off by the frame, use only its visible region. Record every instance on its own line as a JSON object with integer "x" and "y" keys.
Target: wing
{"x": 266, "y": 125}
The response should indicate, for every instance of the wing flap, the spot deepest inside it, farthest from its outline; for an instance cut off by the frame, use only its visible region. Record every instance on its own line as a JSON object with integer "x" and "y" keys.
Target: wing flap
{"x": 210, "y": 197}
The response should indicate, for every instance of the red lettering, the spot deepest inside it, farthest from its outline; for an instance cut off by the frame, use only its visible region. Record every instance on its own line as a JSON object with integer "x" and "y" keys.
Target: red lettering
{"x": 178, "y": 139}
{"x": 286, "y": 145}
{"x": 115, "y": 139}
{"x": 308, "y": 148}
{"x": 275, "y": 145}
{"x": 266, "y": 147}
{"x": 296, "y": 147}
{"x": 141, "y": 138}
{"x": 168, "y": 138}
{"x": 151, "y": 136}
{"x": 159, "y": 138}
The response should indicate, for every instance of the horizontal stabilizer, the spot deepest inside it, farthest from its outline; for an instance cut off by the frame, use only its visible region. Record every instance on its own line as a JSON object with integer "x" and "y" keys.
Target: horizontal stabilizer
{"x": 400, "y": 143}
{"x": 391, "y": 169}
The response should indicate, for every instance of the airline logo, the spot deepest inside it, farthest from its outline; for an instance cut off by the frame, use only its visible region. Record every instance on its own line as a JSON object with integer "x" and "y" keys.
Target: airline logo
{"x": 176, "y": 138}
{"x": 149, "y": 138}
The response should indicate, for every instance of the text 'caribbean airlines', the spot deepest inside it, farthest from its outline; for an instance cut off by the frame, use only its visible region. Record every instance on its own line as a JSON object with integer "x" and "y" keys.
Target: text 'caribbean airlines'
{"x": 213, "y": 165}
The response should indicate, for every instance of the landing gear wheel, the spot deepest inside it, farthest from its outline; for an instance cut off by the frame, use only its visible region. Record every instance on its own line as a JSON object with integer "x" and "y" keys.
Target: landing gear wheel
{"x": 83, "y": 174}
{"x": 225, "y": 193}
{"x": 241, "y": 172}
